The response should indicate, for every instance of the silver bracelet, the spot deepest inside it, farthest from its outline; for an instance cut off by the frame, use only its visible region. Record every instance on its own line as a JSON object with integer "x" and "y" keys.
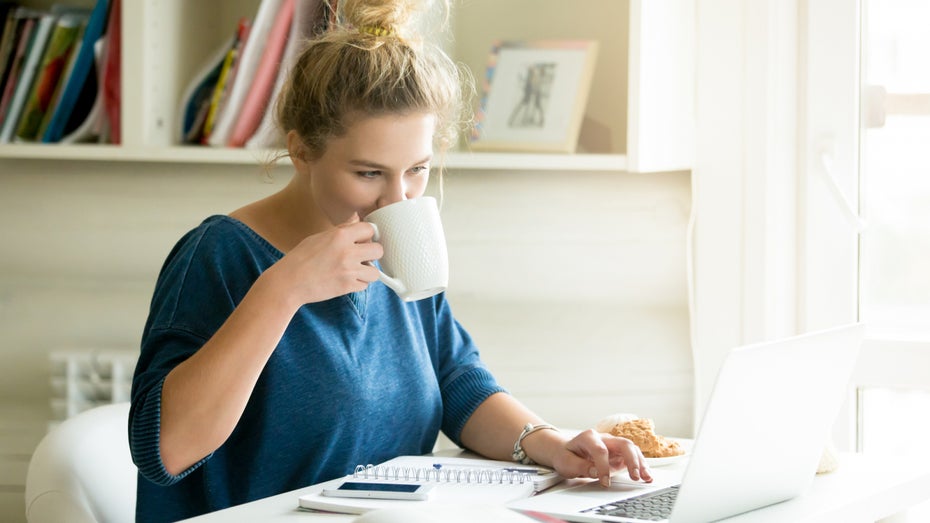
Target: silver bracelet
{"x": 519, "y": 455}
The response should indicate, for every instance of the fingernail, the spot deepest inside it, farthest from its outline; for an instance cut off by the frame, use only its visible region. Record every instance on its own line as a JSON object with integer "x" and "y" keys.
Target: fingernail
{"x": 592, "y": 472}
{"x": 605, "y": 480}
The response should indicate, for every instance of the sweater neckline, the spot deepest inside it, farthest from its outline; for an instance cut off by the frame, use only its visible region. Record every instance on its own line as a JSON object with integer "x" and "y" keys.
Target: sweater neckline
{"x": 359, "y": 302}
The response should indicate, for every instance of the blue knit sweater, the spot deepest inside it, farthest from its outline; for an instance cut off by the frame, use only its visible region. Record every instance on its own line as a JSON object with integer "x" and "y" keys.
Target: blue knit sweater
{"x": 357, "y": 379}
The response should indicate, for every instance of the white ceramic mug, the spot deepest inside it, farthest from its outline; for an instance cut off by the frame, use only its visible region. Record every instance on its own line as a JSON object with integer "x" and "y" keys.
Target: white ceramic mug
{"x": 415, "y": 264}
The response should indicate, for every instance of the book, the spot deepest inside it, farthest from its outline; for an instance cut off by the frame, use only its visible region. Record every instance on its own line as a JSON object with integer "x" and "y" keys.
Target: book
{"x": 56, "y": 97}
{"x": 82, "y": 70}
{"x": 457, "y": 480}
{"x": 196, "y": 101}
{"x": 8, "y": 40}
{"x": 34, "y": 52}
{"x": 109, "y": 75}
{"x": 308, "y": 21}
{"x": 26, "y": 25}
{"x": 244, "y": 72}
{"x": 257, "y": 99}
{"x": 6, "y": 11}
{"x": 221, "y": 88}
{"x": 87, "y": 121}
{"x": 48, "y": 75}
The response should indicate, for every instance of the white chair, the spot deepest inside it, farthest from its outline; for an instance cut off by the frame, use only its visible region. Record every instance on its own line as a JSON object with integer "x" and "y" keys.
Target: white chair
{"x": 82, "y": 472}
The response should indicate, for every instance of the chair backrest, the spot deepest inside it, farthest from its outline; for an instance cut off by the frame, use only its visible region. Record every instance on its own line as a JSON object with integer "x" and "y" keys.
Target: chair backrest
{"x": 82, "y": 470}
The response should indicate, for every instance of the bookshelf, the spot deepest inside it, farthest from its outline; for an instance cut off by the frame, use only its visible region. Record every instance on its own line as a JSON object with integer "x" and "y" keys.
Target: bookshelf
{"x": 638, "y": 119}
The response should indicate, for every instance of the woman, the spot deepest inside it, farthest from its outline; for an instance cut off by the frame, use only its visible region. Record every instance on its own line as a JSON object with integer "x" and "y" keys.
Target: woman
{"x": 272, "y": 357}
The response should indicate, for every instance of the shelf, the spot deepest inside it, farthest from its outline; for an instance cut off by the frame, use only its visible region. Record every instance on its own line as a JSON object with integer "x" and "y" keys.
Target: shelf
{"x": 537, "y": 162}
{"x": 115, "y": 153}
{"x": 639, "y": 116}
{"x": 211, "y": 155}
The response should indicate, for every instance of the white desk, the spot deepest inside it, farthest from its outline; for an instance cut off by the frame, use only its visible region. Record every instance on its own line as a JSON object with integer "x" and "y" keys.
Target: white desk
{"x": 862, "y": 489}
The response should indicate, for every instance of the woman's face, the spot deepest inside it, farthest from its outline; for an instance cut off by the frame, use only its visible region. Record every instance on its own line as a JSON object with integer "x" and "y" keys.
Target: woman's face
{"x": 379, "y": 161}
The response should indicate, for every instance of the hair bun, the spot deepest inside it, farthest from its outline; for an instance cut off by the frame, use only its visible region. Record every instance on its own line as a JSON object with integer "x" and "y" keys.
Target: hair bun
{"x": 380, "y": 17}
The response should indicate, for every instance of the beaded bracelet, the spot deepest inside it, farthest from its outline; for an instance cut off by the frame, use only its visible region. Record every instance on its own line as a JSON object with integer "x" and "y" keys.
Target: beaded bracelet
{"x": 519, "y": 455}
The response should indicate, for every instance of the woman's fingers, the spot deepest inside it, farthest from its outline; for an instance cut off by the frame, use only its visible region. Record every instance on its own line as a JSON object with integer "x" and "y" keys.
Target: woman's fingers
{"x": 590, "y": 446}
{"x": 601, "y": 454}
{"x": 628, "y": 454}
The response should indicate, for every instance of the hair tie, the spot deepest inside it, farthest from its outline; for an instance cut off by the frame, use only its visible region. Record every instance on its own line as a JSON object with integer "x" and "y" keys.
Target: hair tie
{"x": 377, "y": 31}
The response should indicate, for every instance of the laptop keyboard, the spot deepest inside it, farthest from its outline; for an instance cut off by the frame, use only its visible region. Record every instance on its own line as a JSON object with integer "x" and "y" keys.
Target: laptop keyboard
{"x": 654, "y": 506}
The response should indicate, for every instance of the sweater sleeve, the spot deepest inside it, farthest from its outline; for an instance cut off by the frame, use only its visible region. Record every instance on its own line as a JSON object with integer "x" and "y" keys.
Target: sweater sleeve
{"x": 192, "y": 298}
{"x": 462, "y": 396}
{"x": 464, "y": 381}
{"x": 145, "y": 429}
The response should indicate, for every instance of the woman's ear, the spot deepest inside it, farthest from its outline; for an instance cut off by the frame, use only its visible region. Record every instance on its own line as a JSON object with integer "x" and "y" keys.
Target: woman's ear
{"x": 296, "y": 149}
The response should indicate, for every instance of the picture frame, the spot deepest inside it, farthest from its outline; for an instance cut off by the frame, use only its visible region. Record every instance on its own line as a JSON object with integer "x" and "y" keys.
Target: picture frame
{"x": 534, "y": 96}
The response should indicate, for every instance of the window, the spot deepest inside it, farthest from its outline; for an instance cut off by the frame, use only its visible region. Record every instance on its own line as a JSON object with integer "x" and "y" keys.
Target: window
{"x": 895, "y": 169}
{"x": 894, "y": 183}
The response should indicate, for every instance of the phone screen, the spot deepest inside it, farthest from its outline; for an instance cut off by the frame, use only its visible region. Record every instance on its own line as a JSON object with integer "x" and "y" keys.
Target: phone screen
{"x": 379, "y": 487}
{"x": 380, "y": 490}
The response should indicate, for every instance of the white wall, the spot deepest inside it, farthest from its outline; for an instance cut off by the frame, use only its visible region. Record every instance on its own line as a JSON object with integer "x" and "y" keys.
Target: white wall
{"x": 575, "y": 284}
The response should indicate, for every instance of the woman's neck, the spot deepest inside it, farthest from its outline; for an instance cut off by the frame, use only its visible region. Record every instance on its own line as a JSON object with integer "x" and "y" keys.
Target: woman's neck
{"x": 284, "y": 218}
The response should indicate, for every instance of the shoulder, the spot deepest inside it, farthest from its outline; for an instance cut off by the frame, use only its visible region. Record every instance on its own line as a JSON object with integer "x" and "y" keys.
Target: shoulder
{"x": 221, "y": 235}
{"x": 219, "y": 247}
{"x": 214, "y": 263}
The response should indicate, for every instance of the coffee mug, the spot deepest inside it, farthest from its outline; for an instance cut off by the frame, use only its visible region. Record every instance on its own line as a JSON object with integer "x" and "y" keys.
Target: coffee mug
{"x": 415, "y": 264}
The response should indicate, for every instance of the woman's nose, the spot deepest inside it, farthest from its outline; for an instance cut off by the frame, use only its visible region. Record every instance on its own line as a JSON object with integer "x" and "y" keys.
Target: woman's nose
{"x": 394, "y": 191}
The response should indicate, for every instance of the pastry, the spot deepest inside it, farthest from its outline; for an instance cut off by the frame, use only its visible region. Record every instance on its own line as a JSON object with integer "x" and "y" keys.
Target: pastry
{"x": 642, "y": 432}
{"x": 608, "y": 422}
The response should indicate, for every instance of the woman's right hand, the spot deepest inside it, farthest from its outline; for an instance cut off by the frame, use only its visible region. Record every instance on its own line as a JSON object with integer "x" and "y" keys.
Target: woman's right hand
{"x": 330, "y": 264}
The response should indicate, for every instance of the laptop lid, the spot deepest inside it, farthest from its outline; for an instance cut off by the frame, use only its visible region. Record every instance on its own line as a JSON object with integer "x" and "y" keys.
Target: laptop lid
{"x": 767, "y": 421}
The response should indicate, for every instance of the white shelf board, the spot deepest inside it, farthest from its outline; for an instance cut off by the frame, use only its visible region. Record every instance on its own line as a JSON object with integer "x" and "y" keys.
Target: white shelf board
{"x": 116, "y": 153}
{"x": 222, "y": 155}
{"x": 536, "y": 161}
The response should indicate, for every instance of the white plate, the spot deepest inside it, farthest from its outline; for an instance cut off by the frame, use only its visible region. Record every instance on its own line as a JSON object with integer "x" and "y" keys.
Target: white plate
{"x": 662, "y": 462}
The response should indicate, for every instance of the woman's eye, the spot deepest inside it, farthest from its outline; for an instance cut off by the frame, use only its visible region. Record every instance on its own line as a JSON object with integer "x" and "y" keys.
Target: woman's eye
{"x": 369, "y": 174}
{"x": 421, "y": 169}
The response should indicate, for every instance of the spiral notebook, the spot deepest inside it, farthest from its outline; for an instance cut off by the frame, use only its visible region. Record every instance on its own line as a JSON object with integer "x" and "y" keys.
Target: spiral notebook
{"x": 456, "y": 481}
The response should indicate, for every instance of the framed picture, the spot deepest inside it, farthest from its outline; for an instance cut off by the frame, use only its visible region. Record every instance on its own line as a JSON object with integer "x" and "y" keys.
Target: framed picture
{"x": 534, "y": 96}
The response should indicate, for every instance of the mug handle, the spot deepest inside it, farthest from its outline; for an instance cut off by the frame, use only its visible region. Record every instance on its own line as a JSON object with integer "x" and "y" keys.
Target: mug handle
{"x": 395, "y": 284}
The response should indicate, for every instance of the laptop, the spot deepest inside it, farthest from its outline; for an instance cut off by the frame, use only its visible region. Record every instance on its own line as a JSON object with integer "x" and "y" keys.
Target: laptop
{"x": 766, "y": 424}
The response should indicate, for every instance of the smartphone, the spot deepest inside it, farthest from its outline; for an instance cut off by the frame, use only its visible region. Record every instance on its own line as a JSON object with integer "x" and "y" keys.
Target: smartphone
{"x": 366, "y": 489}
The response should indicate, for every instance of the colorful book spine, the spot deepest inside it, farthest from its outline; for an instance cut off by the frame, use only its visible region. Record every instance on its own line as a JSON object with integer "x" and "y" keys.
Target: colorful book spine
{"x": 245, "y": 70}
{"x": 309, "y": 21}
{"x": 54, "y": 61}
{"x": 17, "y": 62}
{"x": 195, "y": 102}
{"x": 87, "y": 122}
{"x": 111, "y": 79}
{"x": 222, "y": 82}
{"x": 253, "y": 107}
{"x": 34, "y": 54}
{"x": 81, "y": 69}
{"x": 8, "y": 40}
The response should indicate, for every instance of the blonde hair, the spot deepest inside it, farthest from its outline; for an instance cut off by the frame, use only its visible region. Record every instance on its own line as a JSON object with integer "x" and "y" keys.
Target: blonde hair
{"x": 370, "y": 64}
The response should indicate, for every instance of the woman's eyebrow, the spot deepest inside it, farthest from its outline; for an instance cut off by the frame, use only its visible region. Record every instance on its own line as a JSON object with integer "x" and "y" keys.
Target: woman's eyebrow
{"x": 368, "y": 164}
{"x": 377, "y": 166}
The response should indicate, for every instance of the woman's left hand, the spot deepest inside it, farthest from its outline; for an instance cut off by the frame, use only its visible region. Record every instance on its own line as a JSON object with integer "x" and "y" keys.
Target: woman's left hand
{"x": 596, "y": 455}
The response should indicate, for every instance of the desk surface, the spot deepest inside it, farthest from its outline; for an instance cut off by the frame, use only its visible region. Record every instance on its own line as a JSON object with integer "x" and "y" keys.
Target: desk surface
{"x": 863, "y": 488}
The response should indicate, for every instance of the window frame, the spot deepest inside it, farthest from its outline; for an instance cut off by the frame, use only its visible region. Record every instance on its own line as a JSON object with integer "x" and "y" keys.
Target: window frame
{"x": 831, "y": 257}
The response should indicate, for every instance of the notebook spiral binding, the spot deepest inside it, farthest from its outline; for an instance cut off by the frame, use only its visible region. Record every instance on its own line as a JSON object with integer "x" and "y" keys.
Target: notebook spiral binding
{"x": 441, "y": 475}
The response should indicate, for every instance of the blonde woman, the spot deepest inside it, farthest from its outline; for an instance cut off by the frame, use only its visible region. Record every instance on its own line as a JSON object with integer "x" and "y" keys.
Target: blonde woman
{"x": 273, "y": 358}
